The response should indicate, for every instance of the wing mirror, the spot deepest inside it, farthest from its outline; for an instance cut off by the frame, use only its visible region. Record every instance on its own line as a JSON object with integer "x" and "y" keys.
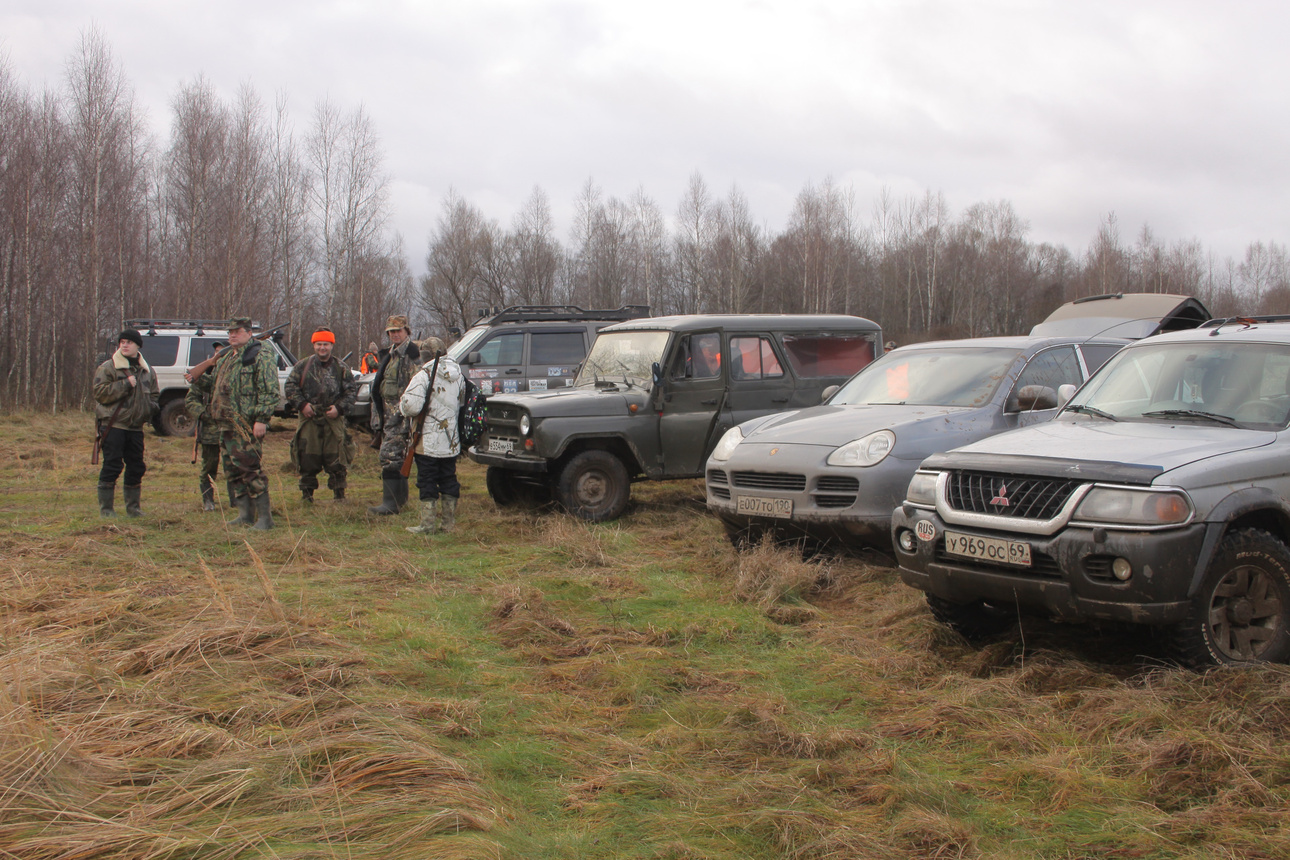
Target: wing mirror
{"x": 1065, "y": 392}
{"x": 1029, "y": 398}
{"x": 828, "y": 392}
{"x": 656, "y": 372}
{"x": 471, "y": 358}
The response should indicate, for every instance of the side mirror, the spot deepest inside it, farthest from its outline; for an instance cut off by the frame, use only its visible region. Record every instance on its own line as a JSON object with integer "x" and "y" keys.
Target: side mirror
{"x": 656, "y": 371}
{"x": 829, "y": 392}
{"x": 1029, "y": 398}
{"x": 1065, "y": 392}
{"x": 471, "y": 358}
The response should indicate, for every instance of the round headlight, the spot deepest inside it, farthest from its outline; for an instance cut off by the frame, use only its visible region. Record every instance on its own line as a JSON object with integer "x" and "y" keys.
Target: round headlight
{"x": 728, "y": 443}
{"x": 866, "y": 451}
{"x": 525, "y": 424}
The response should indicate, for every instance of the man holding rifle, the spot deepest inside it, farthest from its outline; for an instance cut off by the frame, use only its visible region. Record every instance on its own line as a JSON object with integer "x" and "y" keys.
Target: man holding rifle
{"x": 125, "y": 390}
{"x": 197, "y": 403}
{"x": 431, "y": 402}
{"x": 245, "y": 393}
{"x": 322, "y": 389}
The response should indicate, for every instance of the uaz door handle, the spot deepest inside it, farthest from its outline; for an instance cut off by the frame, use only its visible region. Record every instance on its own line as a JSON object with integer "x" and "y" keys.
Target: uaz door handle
{"x": 712, "y": 402}
{"x": 514, "y": 371}
{"x": 779, "y": 400}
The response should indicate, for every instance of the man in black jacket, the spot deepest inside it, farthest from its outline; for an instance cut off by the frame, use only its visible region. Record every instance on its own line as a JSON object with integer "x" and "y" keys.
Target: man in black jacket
{"x": 125, "y": 391}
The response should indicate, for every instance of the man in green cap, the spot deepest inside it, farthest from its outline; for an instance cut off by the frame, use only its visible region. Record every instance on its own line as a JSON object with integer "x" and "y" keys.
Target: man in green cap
{"x": 197, "y": 403}
{"x": 392, "y": 376}
{"x": 244, "y": 395}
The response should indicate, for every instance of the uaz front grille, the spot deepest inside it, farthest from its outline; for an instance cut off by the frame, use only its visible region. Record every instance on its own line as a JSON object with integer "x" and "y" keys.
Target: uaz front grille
{"x": 1015, "y": 496}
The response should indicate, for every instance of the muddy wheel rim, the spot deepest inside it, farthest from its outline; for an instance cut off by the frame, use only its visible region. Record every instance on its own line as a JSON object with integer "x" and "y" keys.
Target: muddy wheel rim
{"x": 1245, "y": 613}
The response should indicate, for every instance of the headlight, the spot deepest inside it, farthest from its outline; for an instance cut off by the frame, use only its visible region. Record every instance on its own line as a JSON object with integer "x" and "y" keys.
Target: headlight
{"x": 525, "y": 424}
{"x": 728, "y": 443}
{"x": 1134, "y": 507}
{"x": 922, "y": 489}
{"x": 864, "y": 452}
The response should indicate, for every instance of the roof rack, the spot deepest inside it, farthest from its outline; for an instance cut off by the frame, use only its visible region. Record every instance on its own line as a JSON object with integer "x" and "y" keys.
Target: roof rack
{"x": 558, "y": 313}
{"x": 152, "y": 324}
{"x": 1247, "y": 321}
{"x": 1098, "y": 298}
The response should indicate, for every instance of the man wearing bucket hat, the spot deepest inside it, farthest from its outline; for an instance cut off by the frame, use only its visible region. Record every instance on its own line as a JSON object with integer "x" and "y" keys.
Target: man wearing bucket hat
{"x": 321, "y": 388}
{"x": 392, "y": 376}
{"x": 244, "y": 395}
{"x": 125, "y": 391}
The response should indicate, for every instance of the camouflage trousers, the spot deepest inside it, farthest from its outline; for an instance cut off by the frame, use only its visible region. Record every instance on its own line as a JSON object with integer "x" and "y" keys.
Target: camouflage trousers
{"x": 209, "y": 465}
{"x": 322, "y": 443}
{"x": 396, "y": 435}
{"x": 242, "y": 467}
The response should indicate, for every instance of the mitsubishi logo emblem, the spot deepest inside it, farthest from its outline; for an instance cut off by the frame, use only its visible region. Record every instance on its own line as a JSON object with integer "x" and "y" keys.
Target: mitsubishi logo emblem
{"x": 1001, "y": 497}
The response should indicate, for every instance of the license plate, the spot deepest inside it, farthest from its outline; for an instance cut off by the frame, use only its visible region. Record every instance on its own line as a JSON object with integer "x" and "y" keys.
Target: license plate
{"x": 996, "y": 550}
{"x": 762, "y": 506}
{"x": 501, "y": 446}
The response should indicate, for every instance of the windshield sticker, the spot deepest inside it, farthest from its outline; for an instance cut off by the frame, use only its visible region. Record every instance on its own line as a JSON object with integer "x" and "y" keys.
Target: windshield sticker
{"x": 537, "y": 385}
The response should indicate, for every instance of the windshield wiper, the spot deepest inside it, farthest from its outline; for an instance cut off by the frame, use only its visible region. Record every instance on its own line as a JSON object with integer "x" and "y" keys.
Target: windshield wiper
{"x": 1092, "y": 410}
{"x": 1192, "y": 413}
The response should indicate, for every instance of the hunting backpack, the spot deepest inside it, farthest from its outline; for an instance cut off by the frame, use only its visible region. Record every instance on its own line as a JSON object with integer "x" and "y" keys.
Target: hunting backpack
{"x": 472, "y": 417}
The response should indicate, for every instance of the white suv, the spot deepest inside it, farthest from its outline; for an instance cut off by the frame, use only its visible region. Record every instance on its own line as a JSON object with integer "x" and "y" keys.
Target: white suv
{"x": 172, "y": 346}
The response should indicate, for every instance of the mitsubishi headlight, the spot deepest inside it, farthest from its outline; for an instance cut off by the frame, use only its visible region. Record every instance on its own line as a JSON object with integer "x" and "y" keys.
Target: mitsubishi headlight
{"x": 922, "y": 489}
{"x": 525, "y": 424}
{"x": 1126, "y": 506}
{"x": 864, "y": 452}
{"x": 728, "y": 443}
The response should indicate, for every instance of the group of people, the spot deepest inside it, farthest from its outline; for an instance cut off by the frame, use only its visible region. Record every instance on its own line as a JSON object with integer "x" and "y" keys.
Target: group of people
{"x": 416, "y": 394}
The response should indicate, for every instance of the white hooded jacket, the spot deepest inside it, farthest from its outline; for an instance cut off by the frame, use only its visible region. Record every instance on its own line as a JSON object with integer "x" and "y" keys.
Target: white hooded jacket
{"x": 439, "y": 433}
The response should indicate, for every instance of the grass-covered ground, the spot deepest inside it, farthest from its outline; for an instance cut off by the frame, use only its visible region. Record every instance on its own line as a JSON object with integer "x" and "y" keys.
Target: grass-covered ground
{"x": 535, "y": 687}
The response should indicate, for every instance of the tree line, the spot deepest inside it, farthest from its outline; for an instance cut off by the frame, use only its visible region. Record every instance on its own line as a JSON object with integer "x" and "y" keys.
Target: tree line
{"x": 238, "y": 212}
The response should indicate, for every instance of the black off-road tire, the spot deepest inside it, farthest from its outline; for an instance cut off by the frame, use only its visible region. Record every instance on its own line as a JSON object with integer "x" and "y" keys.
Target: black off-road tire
{"x": 174, "y": 420}
{"x": 1241, "y": 613}
{"x": 975, "y": 621}
{"x": 501, "y": 486}
{"x": 594, "y": 486}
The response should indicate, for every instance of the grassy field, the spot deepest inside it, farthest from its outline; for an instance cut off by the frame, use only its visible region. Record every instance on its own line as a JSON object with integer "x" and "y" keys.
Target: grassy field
{"x": 535, "y": 687}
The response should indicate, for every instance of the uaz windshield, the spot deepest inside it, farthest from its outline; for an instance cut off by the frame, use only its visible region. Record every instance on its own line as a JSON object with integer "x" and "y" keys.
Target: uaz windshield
{"x": 625, "y": 357}
{"x": 963, "y": 376}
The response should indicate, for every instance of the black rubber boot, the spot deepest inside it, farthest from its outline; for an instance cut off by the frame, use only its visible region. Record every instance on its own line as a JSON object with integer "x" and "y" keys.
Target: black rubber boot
{"x": 389, "y": 498}
{"x": 245, "y": 512}
{"x": 208, "y": 496}
{"x": 264, "y": 517}
{"x": 307, "y": 496}
{"x": 131, "y": 496}
{"x": 338, "y": 494}
{"x": 401, "y": 492}
{"x": 232, "y": 497}
{"x": 107, "y": 492}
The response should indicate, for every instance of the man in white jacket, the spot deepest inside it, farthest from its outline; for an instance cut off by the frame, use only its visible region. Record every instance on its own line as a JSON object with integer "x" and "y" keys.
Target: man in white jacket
{"x": 436, "y": 453}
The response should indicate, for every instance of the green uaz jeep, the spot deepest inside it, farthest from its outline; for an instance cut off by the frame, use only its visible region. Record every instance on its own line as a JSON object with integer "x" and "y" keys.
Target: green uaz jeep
{"x": 653, "y": 397}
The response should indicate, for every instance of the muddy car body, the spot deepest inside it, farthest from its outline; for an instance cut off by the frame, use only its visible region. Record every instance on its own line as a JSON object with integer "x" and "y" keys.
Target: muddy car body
{"x": 1160, "y": 495}
{"x": 653, "y": 397}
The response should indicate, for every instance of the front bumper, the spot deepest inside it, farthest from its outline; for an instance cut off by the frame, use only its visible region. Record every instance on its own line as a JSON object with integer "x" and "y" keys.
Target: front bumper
{"x": 1070, "y": 576}
{"x": 833, "y": 504}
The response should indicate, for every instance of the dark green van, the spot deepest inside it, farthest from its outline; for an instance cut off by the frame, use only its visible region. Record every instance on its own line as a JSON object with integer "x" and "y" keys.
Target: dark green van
{"x": 653, "y": 397}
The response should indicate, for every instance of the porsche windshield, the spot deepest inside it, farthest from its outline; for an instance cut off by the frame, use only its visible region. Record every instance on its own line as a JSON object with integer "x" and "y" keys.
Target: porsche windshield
{"x": 623, "y": 357}
{"x": 1241, "y": 385}
{"x": 962, "y": 376}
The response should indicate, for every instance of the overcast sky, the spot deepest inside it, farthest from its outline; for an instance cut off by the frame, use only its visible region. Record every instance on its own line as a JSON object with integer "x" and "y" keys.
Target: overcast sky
{"x": 1172, "y": 113}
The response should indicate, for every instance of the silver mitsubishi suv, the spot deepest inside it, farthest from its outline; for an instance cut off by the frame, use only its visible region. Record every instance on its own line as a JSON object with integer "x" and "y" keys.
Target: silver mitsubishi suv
{"x": 1159, "y": 495}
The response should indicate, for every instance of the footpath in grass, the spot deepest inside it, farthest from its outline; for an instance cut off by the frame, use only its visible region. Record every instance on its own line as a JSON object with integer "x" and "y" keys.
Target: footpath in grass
{"x": 536, "y": 687}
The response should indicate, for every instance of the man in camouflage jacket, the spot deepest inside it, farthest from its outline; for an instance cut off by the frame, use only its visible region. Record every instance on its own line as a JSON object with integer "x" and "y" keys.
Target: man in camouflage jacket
{"x": 197, "y": 403}
{"x": 242, "y": 402}
{"x": 322, "y": 389}
{"x": 392, "y": 376}
{"x": 125, "y": 392}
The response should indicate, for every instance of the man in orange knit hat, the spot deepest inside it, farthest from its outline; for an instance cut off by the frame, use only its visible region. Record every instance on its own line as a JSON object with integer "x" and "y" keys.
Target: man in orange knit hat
{"x": 321, "y": 388}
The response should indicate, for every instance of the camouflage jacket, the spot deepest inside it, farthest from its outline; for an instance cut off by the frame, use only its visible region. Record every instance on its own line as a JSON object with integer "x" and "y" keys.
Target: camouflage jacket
{"x": 198, "y": 403}
{"x": 112, "y": 387}
{"x": 245, "y": 386}
{"x": 396, "y": 371}
{"x": 323, "y": 385}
